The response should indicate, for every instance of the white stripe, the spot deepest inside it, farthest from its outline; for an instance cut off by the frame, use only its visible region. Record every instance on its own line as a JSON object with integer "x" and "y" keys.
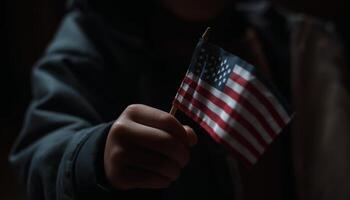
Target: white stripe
{"x": 219, "y": 132}
{"x": 234, "y": 104}
{"x": 187, "y": 74}
{"x": 226, "y": 118}
{"x": 256, "y": 103}
{"x": 249, "y": 77}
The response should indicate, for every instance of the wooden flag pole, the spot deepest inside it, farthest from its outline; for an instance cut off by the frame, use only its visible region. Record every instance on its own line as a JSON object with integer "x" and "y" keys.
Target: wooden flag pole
{"x": 173, "y": 110}
{"x": 205, "y": 37}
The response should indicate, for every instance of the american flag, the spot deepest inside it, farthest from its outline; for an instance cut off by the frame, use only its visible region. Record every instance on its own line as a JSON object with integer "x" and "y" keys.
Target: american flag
{"x": 223, "y": 94}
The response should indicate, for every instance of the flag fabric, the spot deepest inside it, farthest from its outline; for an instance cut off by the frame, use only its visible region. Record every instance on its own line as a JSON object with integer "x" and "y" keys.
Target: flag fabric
{"x": 226, "y": 97}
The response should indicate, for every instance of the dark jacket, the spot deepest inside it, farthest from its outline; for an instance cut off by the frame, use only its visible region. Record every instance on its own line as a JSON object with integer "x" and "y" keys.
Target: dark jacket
{"x": 96, "y": 65}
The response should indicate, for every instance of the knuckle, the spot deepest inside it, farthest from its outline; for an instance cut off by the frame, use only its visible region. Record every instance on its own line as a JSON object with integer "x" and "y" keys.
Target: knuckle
{"x": 120, "y": 128}
{"x": 132, "y": 109}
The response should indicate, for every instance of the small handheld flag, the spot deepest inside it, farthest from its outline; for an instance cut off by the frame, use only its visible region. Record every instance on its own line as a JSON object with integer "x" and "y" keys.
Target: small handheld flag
{"x": 226, "y": 96}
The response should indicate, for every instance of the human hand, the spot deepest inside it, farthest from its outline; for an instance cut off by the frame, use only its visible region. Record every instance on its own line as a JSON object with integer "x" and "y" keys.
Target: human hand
{"x": 146, "y": 148}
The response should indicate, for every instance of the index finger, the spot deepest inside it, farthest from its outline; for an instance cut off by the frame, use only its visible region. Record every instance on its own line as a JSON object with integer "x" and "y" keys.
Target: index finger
{"x": 156, "y": 118}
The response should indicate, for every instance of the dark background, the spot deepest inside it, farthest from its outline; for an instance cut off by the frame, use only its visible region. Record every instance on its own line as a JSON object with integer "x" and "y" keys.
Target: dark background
{"x": 26, "y": 28}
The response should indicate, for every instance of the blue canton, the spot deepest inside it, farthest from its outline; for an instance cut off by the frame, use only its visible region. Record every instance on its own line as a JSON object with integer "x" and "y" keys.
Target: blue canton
{"x": 212, "y": 67}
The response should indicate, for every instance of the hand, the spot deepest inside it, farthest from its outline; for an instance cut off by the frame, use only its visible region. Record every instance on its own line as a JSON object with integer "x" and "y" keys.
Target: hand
{"x": 146, "y": 148}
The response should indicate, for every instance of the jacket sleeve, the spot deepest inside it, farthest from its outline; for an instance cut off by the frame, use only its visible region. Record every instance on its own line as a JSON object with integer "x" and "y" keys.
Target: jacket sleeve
{"x": 59, "y": 152}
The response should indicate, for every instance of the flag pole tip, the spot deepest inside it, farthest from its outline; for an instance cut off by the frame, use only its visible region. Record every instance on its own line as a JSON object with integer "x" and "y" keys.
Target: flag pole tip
{"x": 205, "y": 35}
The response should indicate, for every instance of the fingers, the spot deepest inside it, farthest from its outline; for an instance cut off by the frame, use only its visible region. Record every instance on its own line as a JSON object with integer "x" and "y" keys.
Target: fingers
{"x": 152, "y": 117}
{"x": 146, "y": 148}
{"x": 139, "y": 158}
{"x": 153, "y": 139}
{"x": 136, "y": 167}
{"x": 130, "y": 178}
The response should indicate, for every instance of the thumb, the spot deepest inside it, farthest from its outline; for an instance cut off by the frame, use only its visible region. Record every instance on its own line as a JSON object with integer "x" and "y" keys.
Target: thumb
{"x": 191, "y": 135}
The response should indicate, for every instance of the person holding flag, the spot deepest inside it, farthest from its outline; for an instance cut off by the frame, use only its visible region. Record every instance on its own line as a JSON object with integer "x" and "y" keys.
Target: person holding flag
{"x": 98, "y": 126}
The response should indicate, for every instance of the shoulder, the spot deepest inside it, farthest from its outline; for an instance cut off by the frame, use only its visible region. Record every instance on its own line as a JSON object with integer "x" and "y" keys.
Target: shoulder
{"x": 84, "y": 32}
{"x": 77, "y": 34}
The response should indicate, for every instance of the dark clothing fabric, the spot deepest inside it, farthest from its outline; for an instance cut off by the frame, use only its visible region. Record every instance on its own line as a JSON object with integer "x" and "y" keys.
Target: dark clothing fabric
{"x": 95, "y": 67}
{"x": 321, "y": 139}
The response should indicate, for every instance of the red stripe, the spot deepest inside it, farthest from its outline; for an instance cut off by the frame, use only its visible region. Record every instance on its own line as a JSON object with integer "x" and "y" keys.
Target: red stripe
{"x": 221, "y": 123}
{"x": 211, "y": 132}
{"x": 245, "y": 103}
{"x": 228, "y": 110}
{"x": 246, "y": 84}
